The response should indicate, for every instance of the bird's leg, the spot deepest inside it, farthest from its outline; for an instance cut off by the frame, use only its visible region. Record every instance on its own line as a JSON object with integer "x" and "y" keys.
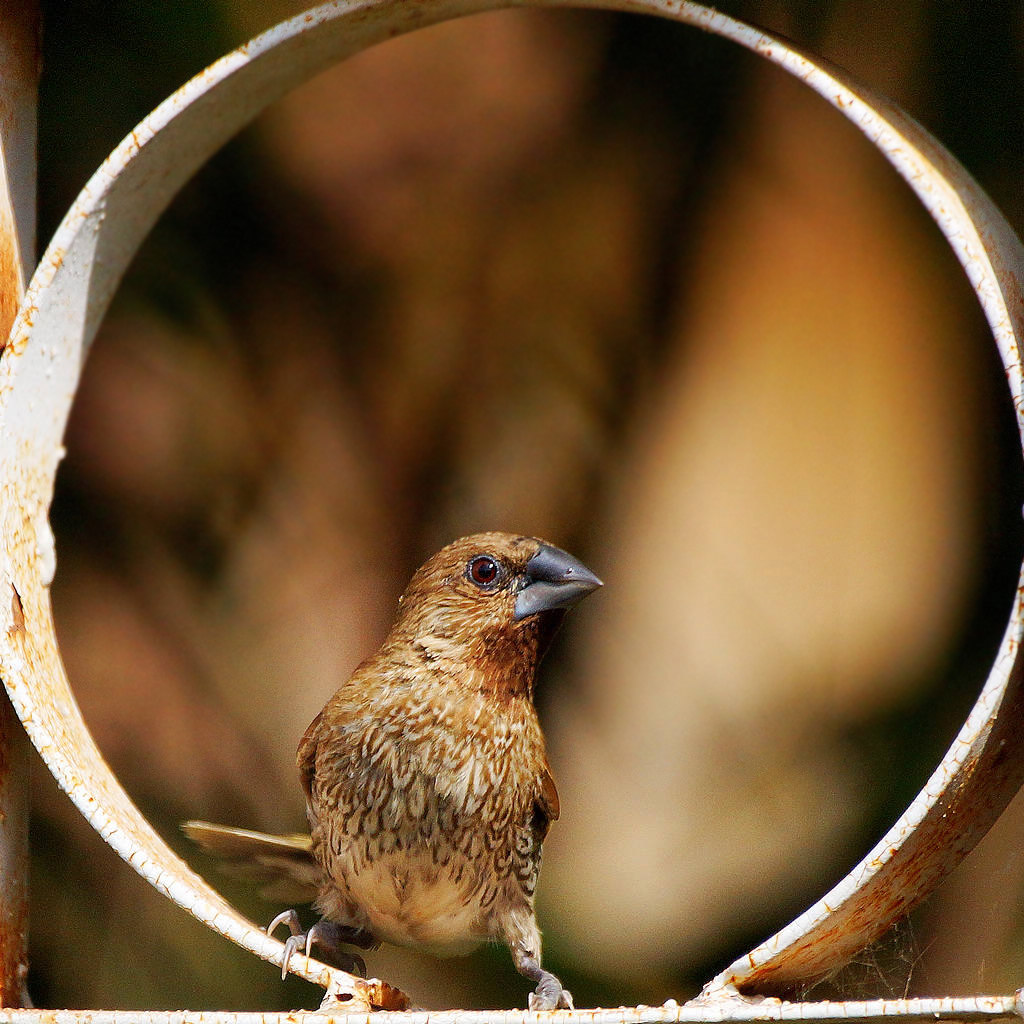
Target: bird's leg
{"x": 549, "y": 994}
{"x": 328, "y": 935}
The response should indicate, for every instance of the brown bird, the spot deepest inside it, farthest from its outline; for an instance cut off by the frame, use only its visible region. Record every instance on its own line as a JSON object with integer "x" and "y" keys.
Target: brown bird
{"x": 428, "y": 790}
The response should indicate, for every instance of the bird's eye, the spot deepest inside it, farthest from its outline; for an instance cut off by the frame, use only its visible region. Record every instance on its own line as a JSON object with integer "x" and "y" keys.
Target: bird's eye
{"x": 483, "y": 570}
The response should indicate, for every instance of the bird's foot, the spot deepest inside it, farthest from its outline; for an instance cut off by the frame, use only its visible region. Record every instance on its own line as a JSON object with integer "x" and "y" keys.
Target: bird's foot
{"x": 549, "y": 994}
{"x": 328, "y": 935}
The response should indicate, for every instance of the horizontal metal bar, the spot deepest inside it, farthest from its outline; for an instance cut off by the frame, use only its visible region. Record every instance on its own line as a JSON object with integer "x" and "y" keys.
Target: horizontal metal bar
{"x": 738, "y": 1009}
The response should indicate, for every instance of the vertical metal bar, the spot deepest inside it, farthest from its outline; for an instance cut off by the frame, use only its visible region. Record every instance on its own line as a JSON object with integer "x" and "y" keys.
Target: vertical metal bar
{"x": 14, "y": 799}
{"x": 19, "y": 73}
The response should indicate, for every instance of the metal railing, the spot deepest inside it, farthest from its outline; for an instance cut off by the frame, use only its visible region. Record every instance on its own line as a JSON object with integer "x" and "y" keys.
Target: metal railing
{"x": 39, "y": 371}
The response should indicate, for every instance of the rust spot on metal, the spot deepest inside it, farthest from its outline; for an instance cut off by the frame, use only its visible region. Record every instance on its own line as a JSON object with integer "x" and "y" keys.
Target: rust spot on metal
{"x": 10, "y": 283}
{"x": 19, "y": 27}
{"x": 17, "y": 613}
{"x": 386, "y": 997}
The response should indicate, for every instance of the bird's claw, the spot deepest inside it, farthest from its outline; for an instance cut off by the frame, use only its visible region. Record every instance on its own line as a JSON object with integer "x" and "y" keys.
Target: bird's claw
{"x": 324, "y": 934}
{"x": 291, "y": 944}
{"x": 549, "y": 994}
{"x": 294, "y": 940}
{"x": 288, "y": 917}
{"x": 549, "y": 997}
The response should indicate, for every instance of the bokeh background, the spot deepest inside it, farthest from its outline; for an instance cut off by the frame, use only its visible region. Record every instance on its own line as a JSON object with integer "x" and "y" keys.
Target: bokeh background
{"x": 598, "y": 278}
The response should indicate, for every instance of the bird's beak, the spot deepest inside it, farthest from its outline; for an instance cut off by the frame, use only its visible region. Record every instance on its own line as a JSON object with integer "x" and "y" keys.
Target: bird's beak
{"x": 554, "y": 579}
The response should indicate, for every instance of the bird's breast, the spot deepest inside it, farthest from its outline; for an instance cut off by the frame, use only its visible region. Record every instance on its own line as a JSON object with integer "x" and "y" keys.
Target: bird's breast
{"x": 422, "y": 818}
{"x": 408, "y": 899}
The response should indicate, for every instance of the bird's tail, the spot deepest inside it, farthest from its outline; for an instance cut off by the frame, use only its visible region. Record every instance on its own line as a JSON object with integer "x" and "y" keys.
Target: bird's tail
{"x": 283, "y": 866}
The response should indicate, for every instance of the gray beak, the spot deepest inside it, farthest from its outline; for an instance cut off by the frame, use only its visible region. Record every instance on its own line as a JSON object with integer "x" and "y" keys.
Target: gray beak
{"x": 554, "y": 579}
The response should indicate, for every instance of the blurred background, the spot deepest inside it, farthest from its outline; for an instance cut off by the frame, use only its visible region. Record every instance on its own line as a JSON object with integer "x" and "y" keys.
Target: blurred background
{"x": 598, "y": 278}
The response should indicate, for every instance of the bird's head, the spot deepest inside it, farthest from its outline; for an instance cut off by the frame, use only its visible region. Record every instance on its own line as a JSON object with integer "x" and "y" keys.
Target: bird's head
{"x": 493, "y": 600}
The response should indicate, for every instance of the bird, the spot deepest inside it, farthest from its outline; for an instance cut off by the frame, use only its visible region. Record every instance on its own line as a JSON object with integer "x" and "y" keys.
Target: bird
{"x": 427, "y": 783}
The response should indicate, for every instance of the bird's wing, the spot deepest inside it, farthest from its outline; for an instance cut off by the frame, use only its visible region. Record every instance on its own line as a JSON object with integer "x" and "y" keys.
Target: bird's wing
{"x": 548, "y": 797}
{"x": 545, "y": 804}
{"x": 306, "y": 757}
